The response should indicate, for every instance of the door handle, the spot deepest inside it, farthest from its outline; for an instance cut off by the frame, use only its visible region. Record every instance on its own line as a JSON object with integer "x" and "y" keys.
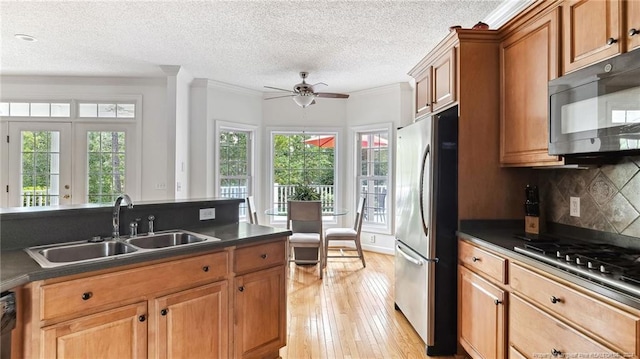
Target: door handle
{"x": 418, "y": 262}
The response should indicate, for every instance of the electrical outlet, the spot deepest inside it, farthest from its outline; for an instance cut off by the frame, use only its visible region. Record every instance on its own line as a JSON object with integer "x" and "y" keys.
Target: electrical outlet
{"x": 161, "y": 186}
{"x": 574, "y": 207}
{"x": 372, "y": 239}
{"x": 207, "y": 213}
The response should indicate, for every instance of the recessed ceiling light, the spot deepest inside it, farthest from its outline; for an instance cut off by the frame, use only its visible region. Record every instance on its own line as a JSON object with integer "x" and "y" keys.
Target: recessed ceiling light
{"x": 25, "y": 37}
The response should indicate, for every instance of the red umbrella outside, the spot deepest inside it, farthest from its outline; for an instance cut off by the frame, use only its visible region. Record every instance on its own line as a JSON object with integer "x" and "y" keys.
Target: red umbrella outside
{"x": 329, "y": 141}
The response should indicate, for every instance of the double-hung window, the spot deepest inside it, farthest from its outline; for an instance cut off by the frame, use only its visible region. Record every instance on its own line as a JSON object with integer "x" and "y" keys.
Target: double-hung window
{"x": 235, "y": 148}
{"x": 374, "y": 175}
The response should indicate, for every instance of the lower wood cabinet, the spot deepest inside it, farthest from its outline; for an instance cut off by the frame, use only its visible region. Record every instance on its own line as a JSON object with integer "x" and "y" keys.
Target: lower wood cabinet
{"x": 190, "y": 323}
{"x": 260, "y": 307}
{"x": 183, "y": 308}
{"x": 118, "y": 333}
{"x": 482, "y": 316}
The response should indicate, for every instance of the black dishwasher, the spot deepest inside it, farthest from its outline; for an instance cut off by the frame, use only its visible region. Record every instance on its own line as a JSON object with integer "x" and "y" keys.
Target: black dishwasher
{"x": 8, "y": 307}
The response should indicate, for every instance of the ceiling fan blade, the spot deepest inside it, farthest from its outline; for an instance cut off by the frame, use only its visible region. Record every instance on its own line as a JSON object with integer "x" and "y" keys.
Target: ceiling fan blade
{"x": 331, "y": 95}
{"x": 271, "y": 98}
{"x": 279, "y": 89}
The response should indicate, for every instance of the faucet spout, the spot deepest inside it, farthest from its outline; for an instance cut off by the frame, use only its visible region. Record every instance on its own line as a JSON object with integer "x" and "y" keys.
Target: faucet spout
{"x": 116, "y": 213}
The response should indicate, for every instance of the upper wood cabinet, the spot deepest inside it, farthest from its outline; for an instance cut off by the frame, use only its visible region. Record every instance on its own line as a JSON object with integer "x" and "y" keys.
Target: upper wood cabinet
{"x": 592, "y": 31}
{"x": 528, "y": 60}
{"x": 633, "y": 24}
{"x": 435, "y": 82}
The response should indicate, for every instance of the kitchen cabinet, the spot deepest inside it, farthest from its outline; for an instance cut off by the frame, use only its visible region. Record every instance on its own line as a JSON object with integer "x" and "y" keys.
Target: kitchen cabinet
{"x": 260, "y": 301}
{"x": 482, "y": 316}
{"x": 482, "y": 301}
{"x": 528, "y": 60}
{"x": 633, "y": 24}
{"x": 191, "y": 322}
{"x": 117, "y": 333}
{"x": 544, "y": 304}
{"x": 435, "y": 82}
{"x": 592, "y": 31}
{"x": 177, "y": 308}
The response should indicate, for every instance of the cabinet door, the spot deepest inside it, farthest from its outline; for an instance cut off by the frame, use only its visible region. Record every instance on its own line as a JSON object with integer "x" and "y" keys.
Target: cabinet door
{"x": 591, "y": 31}
{"x": 423, "y": 93}
{"x": 444, "y": 80}
{"x": 119, "y": 333}
{"x": 633, "y": 23}
{"x": 482, "y": 316}
{"x": 193, "y": 323}
{"x": 260, "y": 313}
{"x": 528, "y": 62}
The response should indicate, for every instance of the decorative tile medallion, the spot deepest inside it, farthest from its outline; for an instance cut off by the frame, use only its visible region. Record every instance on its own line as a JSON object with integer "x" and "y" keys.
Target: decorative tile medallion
{"x": 602, "y": 189}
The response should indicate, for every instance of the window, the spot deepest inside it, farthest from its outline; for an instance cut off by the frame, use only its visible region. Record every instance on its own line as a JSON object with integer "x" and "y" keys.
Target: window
{"x": 106, "y": 165}
{"x": 35, "y": 109}
{"x": 234, "y": 159}
{"x": 374, "y": 177}
{"x": 40, "y": 170}
{"x": 301, "y": 158}
{"x": 106, "y": 110}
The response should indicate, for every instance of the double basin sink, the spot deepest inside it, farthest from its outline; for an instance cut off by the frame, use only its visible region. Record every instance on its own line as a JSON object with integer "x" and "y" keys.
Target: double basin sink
{"x": 54, "y": 255}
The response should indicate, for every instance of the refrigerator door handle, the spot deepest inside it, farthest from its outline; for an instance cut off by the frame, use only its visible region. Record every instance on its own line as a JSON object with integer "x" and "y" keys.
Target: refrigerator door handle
{"x": 418, "y": 262}
{"x": 424, "y": 174}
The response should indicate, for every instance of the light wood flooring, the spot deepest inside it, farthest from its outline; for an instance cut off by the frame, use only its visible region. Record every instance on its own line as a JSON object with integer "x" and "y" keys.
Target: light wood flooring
{"x": 348, "y": 314}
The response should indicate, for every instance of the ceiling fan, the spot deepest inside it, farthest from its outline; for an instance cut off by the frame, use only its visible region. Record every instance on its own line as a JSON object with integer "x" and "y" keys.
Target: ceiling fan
{"x": 305, "y": 94}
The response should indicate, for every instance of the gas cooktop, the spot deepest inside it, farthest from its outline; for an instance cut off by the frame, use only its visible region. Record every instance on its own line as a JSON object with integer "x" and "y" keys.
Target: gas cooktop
{"x": 613, "y": 266}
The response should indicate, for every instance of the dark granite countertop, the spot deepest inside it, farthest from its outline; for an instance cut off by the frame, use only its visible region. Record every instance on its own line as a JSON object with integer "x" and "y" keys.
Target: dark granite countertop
{"x": 18, "y": 268}
{"x": 500, "y": 237}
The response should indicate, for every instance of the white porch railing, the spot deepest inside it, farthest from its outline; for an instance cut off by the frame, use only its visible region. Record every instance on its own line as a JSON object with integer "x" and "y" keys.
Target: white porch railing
{"x": 38, "y": 198}
{"x": 282, "y": 193}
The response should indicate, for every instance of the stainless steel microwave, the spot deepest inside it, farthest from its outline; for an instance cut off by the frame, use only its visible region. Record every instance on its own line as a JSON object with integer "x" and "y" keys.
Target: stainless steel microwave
{"x": 596, "y": 110}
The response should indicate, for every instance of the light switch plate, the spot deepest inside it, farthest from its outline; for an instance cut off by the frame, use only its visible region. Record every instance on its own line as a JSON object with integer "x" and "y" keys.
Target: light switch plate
{"x": 207, "y": 213}
{"x": 574, "y": 207}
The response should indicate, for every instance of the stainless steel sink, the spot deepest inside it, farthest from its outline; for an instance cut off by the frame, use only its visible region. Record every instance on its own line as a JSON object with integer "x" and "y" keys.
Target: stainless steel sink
{"x": 164, "y": 240}
{"x": 60, "y": 254}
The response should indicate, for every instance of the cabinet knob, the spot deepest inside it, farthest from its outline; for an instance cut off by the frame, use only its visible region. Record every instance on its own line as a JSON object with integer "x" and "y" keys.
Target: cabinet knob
{"x": 496, "y": 301}
{"x": 241, "y": 289}
{"x": 264, "y": 256}
{"x": 555, "y": 352}
{"x": 633, "y": 32}
{"x": 142, "y": 318}
{"x": 475, "y": 259}
{"x": 87, "y": 295}
{"x": 164, "y": 312}
{"x": 205, "y": 268}
{"x": 611, "y": 41}
{"x": 555, "y": 300}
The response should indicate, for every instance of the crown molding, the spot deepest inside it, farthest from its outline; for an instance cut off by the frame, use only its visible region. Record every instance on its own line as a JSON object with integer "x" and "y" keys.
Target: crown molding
{"x": 507, "y": 10}
{"x": 402, "y": 86}
{"x": 212, "y": 84}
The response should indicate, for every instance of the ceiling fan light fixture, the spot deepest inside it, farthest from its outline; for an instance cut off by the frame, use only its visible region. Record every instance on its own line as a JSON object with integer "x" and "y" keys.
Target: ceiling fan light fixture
{"x": 303, "y": 100}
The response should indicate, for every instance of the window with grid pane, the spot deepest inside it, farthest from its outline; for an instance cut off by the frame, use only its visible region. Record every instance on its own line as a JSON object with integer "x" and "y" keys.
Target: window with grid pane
{"x": 235, "y": 165}
{"x": 373, "y": 176}
{"x": 106, "y": 165}
{"x": 40, "y": 172}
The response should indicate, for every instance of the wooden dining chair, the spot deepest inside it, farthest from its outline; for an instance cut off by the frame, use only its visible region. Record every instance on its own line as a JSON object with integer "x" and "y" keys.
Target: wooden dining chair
{"x": 251, "y": 210}
{"x": 347, "y": 234}
{"x": 304, "y": 219}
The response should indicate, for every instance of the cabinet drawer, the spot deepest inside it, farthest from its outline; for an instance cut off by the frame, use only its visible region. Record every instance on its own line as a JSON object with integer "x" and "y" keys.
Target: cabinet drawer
{"x": 534, "y": 333}
{"x": 83, "y": 295}
{"x": 259, "y": 256}
{"x": 483, "y": 261}
{"x": 587, "y": 312}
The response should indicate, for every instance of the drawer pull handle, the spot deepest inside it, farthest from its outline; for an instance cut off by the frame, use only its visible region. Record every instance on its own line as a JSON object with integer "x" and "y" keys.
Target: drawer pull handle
{"x": 87, "y": 295}
{"x": 142, "y": 318}
{"x": 205, "y": 268}
{"x": 241, "y": 289}
{"x": 611, "y": 41}
{"x": 555, "y": 300}
{"x": 633, "y": 32}
{"x": 496, "y": 301}
{"x": 475, "y": 259}
{"x": 164, "y": 312}
{"x": 264, "y": 256}
{"x": 555, "y": 352}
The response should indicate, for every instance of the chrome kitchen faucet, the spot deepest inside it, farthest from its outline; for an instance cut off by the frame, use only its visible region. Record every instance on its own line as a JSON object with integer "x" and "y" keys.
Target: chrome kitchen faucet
{"x": 116, "y": 214}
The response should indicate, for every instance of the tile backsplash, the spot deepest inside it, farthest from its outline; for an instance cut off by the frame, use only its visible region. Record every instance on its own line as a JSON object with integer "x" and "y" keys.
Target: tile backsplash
{"x": 609, "y": 196}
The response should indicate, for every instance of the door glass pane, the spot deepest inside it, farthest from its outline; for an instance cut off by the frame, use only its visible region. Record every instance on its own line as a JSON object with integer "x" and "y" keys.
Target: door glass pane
{"x": 106, "y": 168}
{"x": 40, "y": 168}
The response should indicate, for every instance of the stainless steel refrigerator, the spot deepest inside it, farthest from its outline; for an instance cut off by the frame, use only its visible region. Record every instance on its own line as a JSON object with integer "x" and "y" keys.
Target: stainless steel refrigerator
{"x": 426, "y": 223}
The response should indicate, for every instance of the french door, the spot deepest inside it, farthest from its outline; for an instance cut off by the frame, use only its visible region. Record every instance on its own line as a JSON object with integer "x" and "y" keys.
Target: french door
{"x": 39, "y": 164}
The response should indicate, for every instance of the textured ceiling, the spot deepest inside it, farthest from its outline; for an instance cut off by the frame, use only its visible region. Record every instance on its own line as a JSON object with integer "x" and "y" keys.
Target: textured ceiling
{"x": 350, "y": 45}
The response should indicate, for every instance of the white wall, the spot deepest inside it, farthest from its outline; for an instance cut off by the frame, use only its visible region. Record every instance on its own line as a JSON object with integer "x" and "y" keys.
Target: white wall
{"x": 154, "y": 120}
